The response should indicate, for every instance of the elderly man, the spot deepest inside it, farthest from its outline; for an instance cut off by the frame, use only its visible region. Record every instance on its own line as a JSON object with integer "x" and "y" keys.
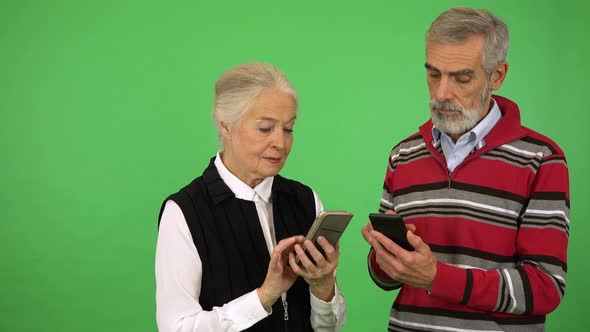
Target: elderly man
{"x": 485, "y": 200}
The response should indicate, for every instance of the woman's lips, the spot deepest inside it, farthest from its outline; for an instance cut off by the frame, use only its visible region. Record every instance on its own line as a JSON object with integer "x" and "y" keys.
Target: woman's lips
{"x": 272, "y": 160}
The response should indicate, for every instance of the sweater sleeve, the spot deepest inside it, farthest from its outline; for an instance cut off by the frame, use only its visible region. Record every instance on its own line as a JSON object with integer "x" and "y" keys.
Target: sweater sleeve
{"x": 379, "y": 277}
{"x": 536, "y": 284}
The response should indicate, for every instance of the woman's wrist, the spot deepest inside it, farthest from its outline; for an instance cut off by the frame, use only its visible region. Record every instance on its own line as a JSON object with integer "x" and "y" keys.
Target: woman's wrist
{"x": 265, "y": 299}
{"x": 323, "y": 289}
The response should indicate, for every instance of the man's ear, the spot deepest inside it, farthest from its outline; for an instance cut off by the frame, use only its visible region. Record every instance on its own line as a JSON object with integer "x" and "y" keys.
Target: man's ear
{"x": 499, "y": 75}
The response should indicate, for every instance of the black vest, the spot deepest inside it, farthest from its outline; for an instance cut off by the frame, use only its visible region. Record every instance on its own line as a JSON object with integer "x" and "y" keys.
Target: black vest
{"x": 227, "y": 234}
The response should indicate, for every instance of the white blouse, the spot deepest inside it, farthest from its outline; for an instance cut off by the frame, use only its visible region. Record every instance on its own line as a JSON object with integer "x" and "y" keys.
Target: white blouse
{"x": 179, "y": 272}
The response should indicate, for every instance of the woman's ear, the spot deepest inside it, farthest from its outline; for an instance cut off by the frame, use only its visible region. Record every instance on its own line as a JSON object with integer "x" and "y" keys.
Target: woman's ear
{"x": 223, "y": 128}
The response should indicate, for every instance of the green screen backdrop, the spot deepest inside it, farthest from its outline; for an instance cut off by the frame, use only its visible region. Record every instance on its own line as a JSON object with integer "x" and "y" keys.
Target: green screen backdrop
{"x": 105, "y": 109}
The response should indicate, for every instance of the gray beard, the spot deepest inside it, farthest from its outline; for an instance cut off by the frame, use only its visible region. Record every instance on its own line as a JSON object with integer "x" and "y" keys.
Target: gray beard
{"x": 462, "y": 121}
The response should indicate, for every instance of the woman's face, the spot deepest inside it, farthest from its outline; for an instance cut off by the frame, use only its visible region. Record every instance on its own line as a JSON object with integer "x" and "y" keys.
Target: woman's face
{"x": 258, "y": 145}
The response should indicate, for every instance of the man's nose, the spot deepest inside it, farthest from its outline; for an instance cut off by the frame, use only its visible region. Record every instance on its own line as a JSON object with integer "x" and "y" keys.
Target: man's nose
{"x": 443, "y": 90}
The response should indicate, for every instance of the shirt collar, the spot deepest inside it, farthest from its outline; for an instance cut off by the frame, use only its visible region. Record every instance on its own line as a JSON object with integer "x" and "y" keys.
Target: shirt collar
{"x": 480, "y": 130}
{"x": 239, "y": 188}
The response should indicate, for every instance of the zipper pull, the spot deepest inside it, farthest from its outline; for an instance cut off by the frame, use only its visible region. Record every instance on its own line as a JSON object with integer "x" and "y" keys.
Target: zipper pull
{"x": 449, "y": 180}
{"x": 286, "y": 313}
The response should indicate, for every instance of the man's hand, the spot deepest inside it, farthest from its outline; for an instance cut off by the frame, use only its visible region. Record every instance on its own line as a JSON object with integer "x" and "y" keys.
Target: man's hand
{"x": 416, "y": 268}
{"x": 366, "y": 231}
{"x": 319, "y": 275}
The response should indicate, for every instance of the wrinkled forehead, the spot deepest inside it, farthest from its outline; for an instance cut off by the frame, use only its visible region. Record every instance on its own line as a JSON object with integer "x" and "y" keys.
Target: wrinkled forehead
{"x": 450, "y": 57}
{"x": 274, "y": 106}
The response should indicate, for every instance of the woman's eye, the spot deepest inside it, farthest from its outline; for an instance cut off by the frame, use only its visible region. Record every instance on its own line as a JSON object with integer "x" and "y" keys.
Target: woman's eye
{"x": 289, "y": 130}
{"x": 265, "y": 130}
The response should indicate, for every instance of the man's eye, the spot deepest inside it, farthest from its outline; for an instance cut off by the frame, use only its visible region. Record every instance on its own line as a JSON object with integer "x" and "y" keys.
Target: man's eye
{"x": 463, "y": 79}
{"x": 434, "y": 75}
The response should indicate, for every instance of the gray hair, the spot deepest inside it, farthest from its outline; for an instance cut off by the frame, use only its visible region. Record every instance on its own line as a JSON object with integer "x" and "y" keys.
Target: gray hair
{"x": 457, "y": 24}
{"x": 237, "y": 88}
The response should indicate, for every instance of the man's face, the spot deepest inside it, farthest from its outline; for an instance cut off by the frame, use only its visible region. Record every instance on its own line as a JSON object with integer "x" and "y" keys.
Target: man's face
{"x": 459, "y": 87}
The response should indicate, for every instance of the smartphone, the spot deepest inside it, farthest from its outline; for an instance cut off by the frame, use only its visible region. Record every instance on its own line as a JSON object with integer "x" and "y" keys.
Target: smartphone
{"x": 329, "y": 224}
{"x": 392, "y": 226}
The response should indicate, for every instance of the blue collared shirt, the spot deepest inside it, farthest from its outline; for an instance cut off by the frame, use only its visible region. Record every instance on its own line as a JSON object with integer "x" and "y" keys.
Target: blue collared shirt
{"x": 472, "y": 140}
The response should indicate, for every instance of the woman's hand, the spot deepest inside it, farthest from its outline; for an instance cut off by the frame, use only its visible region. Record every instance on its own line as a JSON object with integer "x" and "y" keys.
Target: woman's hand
{"x": 279, "y": 276}
{"x": 319, "y": 274}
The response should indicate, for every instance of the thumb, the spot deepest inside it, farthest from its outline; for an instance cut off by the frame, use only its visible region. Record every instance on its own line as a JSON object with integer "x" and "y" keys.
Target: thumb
{"x": 390, "y": 212}
{"x": 417, "y": 242}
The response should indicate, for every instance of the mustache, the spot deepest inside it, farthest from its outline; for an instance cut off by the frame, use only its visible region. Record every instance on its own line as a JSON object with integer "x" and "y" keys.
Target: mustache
{"x": 445, "y": 105}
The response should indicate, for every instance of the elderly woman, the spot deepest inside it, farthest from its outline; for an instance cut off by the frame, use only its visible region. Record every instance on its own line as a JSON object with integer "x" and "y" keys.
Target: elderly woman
{"x": 230, "y": 248}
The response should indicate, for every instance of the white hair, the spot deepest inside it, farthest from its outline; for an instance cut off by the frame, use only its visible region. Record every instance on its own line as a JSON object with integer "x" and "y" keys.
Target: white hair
{"x": 237, "y": 88}
{"x": 457, "y": 24}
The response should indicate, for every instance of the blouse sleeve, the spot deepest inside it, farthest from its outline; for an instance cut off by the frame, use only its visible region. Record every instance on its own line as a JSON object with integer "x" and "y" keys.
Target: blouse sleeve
{"x": 178, "y": 285}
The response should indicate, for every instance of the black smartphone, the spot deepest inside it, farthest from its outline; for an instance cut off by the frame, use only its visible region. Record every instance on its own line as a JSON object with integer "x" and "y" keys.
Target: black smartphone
{"x": 392, "y": 226}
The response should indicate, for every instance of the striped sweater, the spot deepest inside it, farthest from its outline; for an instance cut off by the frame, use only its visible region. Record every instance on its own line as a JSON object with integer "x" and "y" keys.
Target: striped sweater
{"x": 498, "y": 226}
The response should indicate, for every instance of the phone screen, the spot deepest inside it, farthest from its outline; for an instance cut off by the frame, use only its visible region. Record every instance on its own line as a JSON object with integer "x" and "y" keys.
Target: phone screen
{"x": 392, "y": 226}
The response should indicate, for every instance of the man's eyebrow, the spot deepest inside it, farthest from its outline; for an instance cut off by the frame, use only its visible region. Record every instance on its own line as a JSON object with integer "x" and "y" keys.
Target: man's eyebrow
{"x": 431, "y": 67}
{"x": 453, "y": 73}
{"x": 462, "y": 72}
